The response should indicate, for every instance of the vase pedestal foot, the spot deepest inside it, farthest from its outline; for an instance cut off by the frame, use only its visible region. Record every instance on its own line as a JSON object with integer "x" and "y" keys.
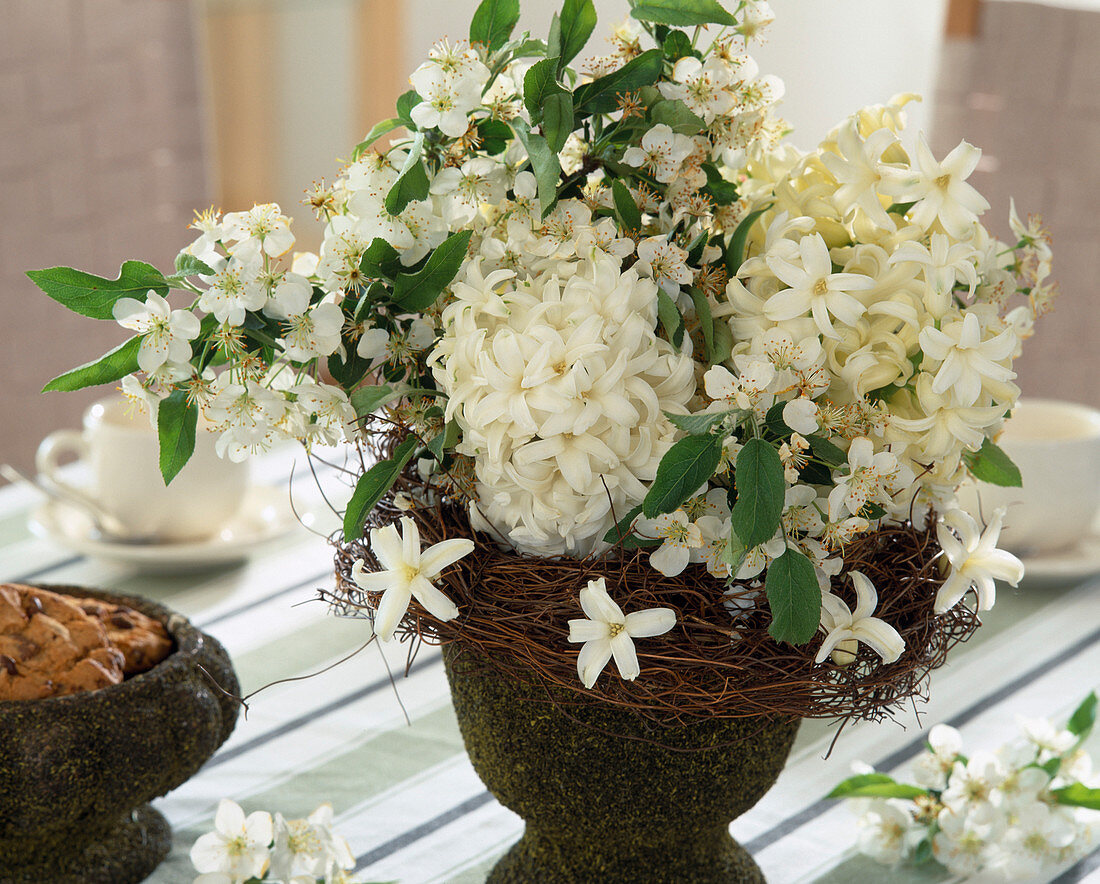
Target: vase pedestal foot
{"x": 555, "y": 858}
{"x": 125, "y": 853}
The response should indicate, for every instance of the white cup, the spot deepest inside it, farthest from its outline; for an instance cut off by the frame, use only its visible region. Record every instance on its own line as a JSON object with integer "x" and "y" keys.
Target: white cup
{"x": 1056, "y": 445}
{"x": 121, "y": 450}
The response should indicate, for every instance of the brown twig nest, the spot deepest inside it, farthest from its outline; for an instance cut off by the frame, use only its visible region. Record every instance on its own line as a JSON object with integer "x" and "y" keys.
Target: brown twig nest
{"x": 718, "y": 662}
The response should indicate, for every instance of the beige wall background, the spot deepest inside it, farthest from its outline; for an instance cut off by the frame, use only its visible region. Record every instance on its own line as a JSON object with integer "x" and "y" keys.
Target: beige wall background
{"x": 119, "y": 117}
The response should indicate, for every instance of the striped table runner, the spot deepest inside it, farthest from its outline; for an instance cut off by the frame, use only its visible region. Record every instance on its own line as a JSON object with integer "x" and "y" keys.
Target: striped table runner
{"x": 383, "y": 746}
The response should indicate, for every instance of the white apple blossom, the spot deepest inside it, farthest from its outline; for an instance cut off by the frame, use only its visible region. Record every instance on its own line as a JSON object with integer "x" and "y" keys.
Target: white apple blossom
{"x": 678, "y": 538}
{"x": 608, "y": 633}
{"x": 701, "y": 86}
{"x": 886, "y": 830}
{"x": 166, "y": 333}
{"x": 975, "y": 562}
{"x": 845, "y": 627}
{"x": 407, "y": 573}
{"x": 263, "y": 230}
{"x": 661, "y": 152}
{"x": 238, "y": 846}
{"x": 871, "y": 478}
{"x": 309, "y": 848}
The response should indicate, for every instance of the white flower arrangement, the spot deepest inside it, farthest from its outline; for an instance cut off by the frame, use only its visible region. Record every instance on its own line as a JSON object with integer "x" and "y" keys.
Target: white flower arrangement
{"x": 622, "y": 312}
{"x": 259, "y": 847}
{"x": 1018, "y": 812}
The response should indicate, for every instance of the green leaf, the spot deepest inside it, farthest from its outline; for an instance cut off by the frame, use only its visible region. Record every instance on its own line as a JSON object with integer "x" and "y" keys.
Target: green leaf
{"x": 95, "y": 296}
{"x": 444, "y": 440}
{"x": 405, "y": 103}
{"x": 553, "y": 40}
{"x": 412, "y": 180}
{"x": 734, "y": 254}
{"x": 794, "y": 598}
{"x": 706, "y": 321}
{"x": 376, "y": 132}
{"x": 686, "y": 466}
{"x": 825, "y": 450}
{"x": 682, "y": 13}
{"x": 723, "y": 343}
{"x": 601, "y": 95}
{"x": 116, "y": 364}
{"x": 875, "y": 785}
{"x": 697, "y": 424}
{"x": 677, "y": 45}
{"x": 189, "y": 265}
{"x": 1084, "y": 717}
{"x": 922, "y": 853}
{"x": 578, "y": 20}
{"x": 630, "y": 218}
{"x": 493, "y": 22}
{"x": 372, "y": 485}
{"x": 176, "y": 422}
{"x": 380, "y": 260}
{"x": 544, "y": 164}
{"x": 721, "y": 191}
{"x": 677, "y": 116}
{"x": 495, "y": 135}
{"x": 670, "y": 318}
{"x": 540, "y": 81}
{"x": 990, "y": 464}
{"x": 760, "y": 488}
{"x": 367, "y": 400}
{"x": 735, "y": 553}
{"x": 416, "y": 292}
{"x": 557, "y": 119}
{"x": 621, "y": 529}
{"x": 1078, "y": 795}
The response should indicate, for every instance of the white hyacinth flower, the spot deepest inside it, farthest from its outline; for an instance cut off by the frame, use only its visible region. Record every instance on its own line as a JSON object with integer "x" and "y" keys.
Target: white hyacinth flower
{"x": 238, "y": 846}
{"x": 966, "y": 361}
{"x": 815, "y": 289}
{"x": 845, "y": 628}
{"x": 167, "y": 332}
{"x": 609, "y": 633}
{"x": 975, "y": 560}
{"x": 408, "y": 574}
{"x": 941, "y": 192}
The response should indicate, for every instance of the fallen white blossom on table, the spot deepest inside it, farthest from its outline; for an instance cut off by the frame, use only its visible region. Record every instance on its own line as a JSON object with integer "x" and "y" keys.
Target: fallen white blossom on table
{"x": 1017, "y": 812}
{"x": 276, "y": 850}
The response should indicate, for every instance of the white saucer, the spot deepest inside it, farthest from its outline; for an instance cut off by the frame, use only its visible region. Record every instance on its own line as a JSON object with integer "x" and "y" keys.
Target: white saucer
{"x": 265, "y": 516}
{"x": 1067, "y": 565}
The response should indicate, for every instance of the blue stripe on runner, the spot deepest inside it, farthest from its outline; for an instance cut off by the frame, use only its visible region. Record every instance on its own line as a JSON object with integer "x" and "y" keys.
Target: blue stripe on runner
{"x": 30, "y": 575}
{"x": 255, "y": 603}
{"x": 328, "y": 708}
{"x": 404, "y": 840}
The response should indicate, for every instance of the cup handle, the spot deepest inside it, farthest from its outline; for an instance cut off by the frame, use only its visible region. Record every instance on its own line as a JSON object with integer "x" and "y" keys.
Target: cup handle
{"x": 51, "y": 450}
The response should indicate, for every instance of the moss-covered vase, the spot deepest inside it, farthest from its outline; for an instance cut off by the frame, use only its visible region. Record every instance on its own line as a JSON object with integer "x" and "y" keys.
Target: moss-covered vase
{"x": 608, "y": 796}
{"x": 76, "y": 772}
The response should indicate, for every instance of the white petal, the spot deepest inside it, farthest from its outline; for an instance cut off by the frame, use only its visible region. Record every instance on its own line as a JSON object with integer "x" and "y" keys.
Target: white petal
{"x": 655, "y": 621}
{"x": 208, "y": 853}
{"x": 598, "y": 605}
{"x": 410, "y": 541}
{"x": 392, "y": 607}
{"x": 258, "y": 828}
{"x": 587, "y": 630}
{"x": 434, "y": 601}
{"x": 626, "y": 660}
{"x": 592, "y": 659}
{"x": 385, "y": 543}
{"x": 229, "y": 820}
{"x": 670, "y": 559}
{"x": 866, "y": 597}
{"x": 443, "y": 554}
{"x": 881, "y": 637}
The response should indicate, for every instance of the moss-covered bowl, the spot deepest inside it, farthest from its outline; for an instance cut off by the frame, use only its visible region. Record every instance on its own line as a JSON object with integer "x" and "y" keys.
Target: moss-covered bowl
{"x": 606, "y": 795}
{"x": 76, "y": 772}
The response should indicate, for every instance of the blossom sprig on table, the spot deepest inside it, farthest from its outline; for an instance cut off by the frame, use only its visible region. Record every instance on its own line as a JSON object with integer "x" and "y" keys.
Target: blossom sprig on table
{"x": 1019, "y": 812}
{"x": 603, "y": 307}
{"x": 276, "y": 850}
